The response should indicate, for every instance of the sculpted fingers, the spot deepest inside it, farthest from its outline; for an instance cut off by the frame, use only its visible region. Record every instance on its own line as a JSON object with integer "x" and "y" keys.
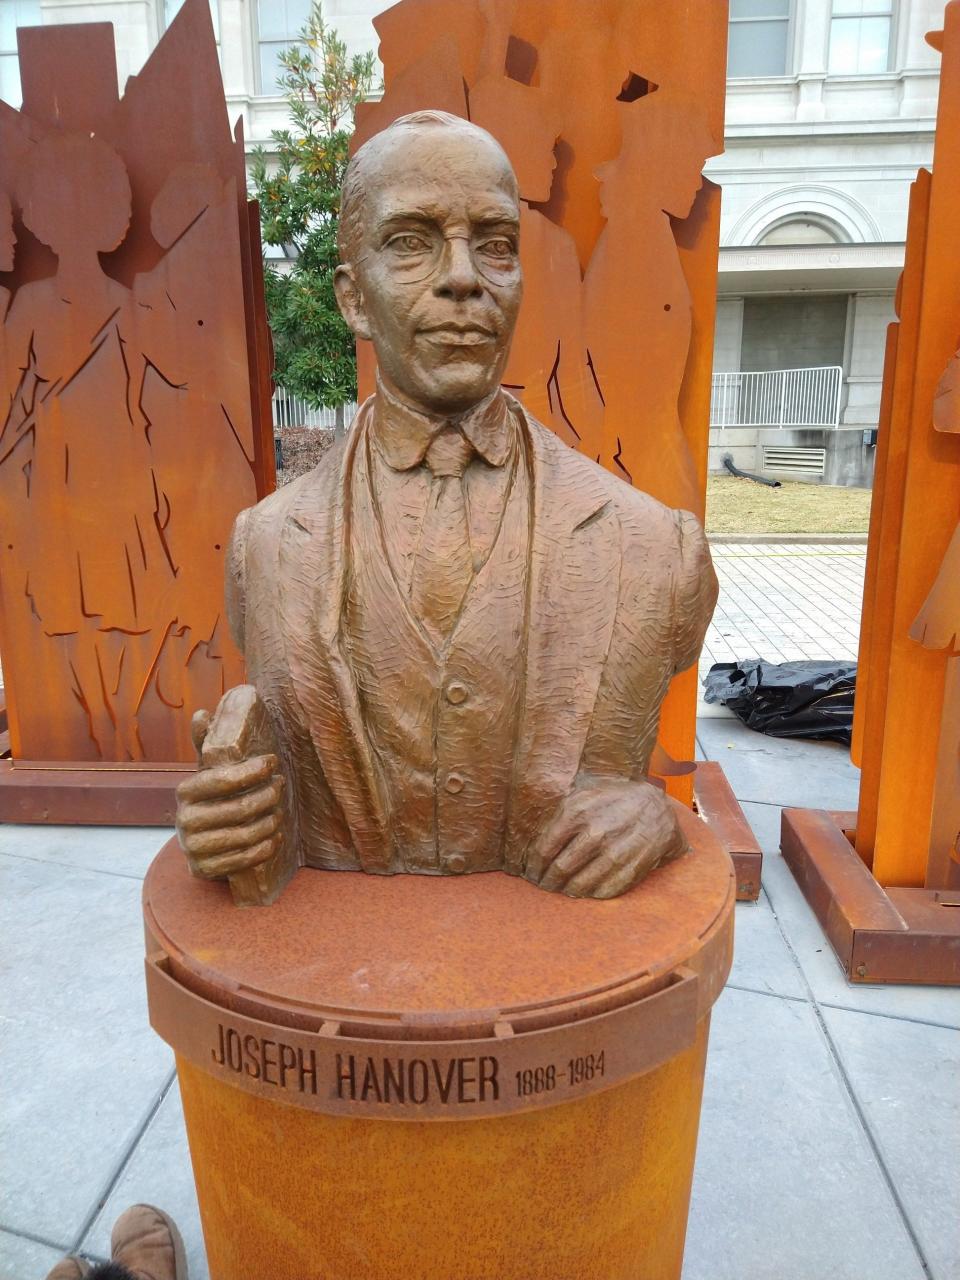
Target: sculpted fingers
{"x": 211, "y": 814}
{"x": 225, "y": 780}
{"x": 199, "y": 724}
{"x": 585, "y": 882}
{"x": 626, "y": 861}
{"x": 552, "y": 839}
{"x": 581, "y": 850}
{"x": 227, "y": 864}
{"x": 582, "y": 812}
{"x": 621, "y": 877}
{"x": 620, "y": 863}
{"x": 233, "y": 838}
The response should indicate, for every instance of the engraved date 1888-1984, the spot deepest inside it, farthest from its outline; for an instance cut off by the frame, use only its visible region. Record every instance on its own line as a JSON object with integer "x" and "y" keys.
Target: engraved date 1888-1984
{"x": 534, "y": 1080}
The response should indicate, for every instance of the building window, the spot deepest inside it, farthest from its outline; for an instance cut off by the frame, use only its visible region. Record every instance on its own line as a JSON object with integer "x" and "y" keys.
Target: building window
{"x": 759, "y": 37}
{"x": 799, "y": 231}
{"x": 13, "y": 14}
{"x": 279, "y": 23}
{"x": 860, "y": 35}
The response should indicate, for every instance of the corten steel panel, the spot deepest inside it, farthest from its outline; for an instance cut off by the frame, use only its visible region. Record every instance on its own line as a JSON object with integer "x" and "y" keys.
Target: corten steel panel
{"x": 125, "y": 797}
{"x": 880, "y": 579}
{"x": 930, "y": 509}
{"x": 607, "y": 112}
{"x": 880, "y": 469}
{"x": 720, "y": 809}
{"x": 137, "y": 422}
{"x": 904, "y": 935}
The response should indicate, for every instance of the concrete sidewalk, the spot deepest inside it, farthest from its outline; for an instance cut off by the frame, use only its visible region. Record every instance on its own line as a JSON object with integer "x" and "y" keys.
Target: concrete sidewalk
{"x": 828, "y": 1142}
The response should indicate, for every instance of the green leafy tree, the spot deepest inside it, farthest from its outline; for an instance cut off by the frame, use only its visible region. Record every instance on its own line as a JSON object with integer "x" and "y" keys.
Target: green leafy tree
{"x": 298, "y": 187}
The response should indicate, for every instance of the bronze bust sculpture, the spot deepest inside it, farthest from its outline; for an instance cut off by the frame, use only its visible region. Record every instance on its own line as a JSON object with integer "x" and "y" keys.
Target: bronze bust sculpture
{"x": 460, "y": 630}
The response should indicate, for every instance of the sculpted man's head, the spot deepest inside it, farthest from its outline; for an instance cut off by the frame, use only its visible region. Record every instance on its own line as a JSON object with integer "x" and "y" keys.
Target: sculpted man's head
{"x": 429, "y": 240}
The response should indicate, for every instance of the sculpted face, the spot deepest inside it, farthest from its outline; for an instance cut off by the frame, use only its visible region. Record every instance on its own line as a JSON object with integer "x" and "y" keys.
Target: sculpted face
{"x": 435, "y": 282}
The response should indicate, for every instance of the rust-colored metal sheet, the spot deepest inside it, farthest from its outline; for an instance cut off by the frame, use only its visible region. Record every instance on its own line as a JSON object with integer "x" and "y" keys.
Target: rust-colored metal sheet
{"x": 125, "y": 797}
{"x": 720, "y": 809}
{"x": 136, "y": 421}
{"x": 880, "y": 579}
{"x": 607, "y": 112}
{"x": 901, "y": 935}
{"x": 513, "y": 1181}
{"x": 906, "y": 687}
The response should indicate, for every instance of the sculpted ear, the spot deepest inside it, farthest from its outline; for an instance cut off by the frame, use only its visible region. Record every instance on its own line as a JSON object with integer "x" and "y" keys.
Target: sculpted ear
{"x": 350, "y": 301}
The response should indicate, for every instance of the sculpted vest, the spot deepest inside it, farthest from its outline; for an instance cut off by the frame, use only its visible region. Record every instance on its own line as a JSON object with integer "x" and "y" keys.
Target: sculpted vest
{"x": 441, "y": 723}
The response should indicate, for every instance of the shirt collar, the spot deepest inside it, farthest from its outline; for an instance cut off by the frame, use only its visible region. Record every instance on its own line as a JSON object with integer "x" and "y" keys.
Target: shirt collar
{"x": 404, "y": 433}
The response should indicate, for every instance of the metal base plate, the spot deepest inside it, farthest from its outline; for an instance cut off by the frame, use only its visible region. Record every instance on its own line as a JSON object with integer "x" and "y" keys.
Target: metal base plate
{"x": 879, "y": 935}
{"x": 715, "y": 802}
{"x": 90, "y": 795}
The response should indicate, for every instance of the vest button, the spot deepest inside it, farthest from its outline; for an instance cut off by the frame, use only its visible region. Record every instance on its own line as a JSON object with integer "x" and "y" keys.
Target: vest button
{"x": 456, "y": 692}
{"x": 454, "y": 783}
{"x": 456, "y": 863}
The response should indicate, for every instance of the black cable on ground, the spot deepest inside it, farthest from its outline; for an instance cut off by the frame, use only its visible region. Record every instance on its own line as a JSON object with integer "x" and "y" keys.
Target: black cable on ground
{"x": 747, "y": 475}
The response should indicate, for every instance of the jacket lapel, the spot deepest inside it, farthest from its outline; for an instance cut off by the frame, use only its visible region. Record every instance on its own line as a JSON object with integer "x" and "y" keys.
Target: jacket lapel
{"x": 313, "y": 554}
{"x": 573, "y": 590}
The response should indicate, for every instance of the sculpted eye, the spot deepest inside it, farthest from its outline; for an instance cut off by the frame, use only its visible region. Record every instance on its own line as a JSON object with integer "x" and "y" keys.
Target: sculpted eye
{"x": 498, "y": 248}
{"x": 409, "y": 243}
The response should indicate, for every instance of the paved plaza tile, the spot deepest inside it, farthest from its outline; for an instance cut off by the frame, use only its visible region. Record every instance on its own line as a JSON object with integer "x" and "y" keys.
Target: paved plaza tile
{"x": 785, "y": 602}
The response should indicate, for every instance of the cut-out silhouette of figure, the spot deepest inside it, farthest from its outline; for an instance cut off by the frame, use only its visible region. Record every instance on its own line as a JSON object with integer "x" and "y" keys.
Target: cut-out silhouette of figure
{"x": 548, "y": 359}
{"x": 192, "y": 367}
{"x": 582, "y": 69}
{"x": 635, "y": 276}
{"x": 135, "y": 417}
{"x": 94, "y": 525}
{"x": 7, "y": 242}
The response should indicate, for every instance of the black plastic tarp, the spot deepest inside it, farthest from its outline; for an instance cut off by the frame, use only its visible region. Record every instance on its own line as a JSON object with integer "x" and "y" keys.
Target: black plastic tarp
{"x": 787, "y": 699}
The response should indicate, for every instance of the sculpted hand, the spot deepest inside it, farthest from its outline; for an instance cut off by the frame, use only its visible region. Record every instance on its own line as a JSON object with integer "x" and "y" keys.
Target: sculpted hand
{"x": 230, "y": 812}
{"x": 606, "y": 836}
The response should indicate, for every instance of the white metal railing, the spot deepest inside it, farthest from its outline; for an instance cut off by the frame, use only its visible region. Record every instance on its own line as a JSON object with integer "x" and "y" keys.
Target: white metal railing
{"x": 778, "y": 398}
{"x": 291, "y": 411}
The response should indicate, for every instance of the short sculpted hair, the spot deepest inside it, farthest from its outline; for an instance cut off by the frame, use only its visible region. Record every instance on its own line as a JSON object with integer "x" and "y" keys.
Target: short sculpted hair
{"x": 353, "y": 191}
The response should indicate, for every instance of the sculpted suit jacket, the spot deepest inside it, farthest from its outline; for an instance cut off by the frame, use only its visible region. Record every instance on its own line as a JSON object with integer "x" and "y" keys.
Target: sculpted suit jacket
{"x": 620, "y": 592}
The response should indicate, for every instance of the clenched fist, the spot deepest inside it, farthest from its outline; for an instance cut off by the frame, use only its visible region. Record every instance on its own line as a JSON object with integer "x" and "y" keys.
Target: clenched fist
{"x": 607, "y": 834}
{"x": 230, "y": 813}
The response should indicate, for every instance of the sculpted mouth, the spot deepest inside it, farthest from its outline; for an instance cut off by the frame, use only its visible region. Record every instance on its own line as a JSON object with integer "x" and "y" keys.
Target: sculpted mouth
{"x": 458, "y": 335}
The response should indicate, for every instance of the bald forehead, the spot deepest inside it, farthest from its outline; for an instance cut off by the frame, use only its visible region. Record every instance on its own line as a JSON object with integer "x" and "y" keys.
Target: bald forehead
{"x": 431, "y": 162}
{"x": 444, "y": 151}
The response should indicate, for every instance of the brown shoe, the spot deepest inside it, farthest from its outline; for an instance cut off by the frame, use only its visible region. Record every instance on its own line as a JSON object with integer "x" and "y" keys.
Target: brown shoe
{"x": 146, "y": 1242}
{"x": 70, "y": 1269}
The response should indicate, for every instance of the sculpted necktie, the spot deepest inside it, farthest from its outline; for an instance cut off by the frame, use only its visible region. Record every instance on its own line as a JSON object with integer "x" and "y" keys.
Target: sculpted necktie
{"x": 444, "y": 564}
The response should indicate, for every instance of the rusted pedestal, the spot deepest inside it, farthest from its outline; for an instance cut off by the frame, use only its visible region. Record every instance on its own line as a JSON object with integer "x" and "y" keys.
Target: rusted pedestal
{"x": 437, "y": 1077}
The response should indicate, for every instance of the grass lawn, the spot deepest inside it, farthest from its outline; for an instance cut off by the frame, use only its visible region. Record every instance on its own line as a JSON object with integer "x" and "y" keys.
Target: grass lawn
{"x": 742, "y": 506}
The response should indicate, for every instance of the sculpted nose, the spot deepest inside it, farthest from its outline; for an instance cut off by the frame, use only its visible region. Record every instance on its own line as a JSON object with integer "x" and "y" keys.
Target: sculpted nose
{"x": 458, "y": 277}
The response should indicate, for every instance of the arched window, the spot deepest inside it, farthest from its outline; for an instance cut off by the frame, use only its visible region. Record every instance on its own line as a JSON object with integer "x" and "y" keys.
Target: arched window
{"x": 800, "y": 230}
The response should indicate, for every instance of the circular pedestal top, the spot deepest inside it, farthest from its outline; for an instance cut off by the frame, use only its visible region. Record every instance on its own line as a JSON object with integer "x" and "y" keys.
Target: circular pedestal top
{"x": 370, "y": 949}
{"x": 436, "y": 997}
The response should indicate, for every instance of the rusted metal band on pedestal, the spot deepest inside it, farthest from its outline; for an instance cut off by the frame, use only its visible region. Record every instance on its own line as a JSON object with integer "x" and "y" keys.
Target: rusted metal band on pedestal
{"x": 416, "y": 998}
{"x": 425, "y": 1079}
